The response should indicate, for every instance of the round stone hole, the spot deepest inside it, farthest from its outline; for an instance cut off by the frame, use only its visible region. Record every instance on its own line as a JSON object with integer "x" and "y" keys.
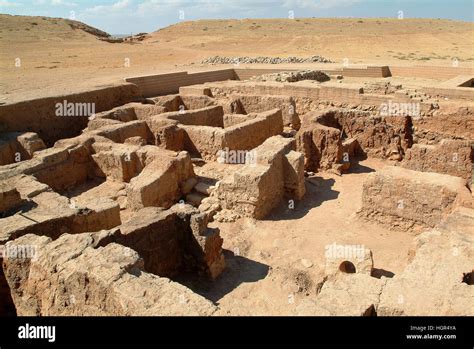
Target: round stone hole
{"x": 347, "y": 267}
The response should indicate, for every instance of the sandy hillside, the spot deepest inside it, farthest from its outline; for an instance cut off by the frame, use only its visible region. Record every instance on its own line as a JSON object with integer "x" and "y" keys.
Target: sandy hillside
{"x": 58, "y": 55}
{"x": 336, "y": 39}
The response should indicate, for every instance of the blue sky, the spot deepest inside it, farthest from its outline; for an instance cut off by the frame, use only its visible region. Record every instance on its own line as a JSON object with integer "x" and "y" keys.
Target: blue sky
{"x": 133, "y": 16}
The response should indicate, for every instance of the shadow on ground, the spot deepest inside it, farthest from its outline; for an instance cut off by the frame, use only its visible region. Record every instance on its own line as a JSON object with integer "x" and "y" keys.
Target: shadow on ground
{"x": 358, "y": 168}
{"x": 378, "y": 273}
{"x": 318, "y": 190}
{"x": 238, "y": 270}
{"x": 24, "y": 208}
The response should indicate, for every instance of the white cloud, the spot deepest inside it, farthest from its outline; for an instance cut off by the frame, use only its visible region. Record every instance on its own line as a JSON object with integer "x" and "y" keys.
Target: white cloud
{"x": 62, "y": 3}
{"x": 206, "y": 8}
{"x": 159, "y": 6}
{"x": 321, "y": 4}
{"x": 150, "y": 14}
{"x": 203, "y": 7}
{"x": 54, "y": 3}
{"x": 107, "y": 9}
{"x": 120, "y": 4}
{"x": 6, "y": 3}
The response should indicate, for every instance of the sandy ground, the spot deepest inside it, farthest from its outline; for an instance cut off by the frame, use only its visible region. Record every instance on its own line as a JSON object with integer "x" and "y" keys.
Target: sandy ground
{"x": 55, "y": 59}
{"x": 265, "y": 274}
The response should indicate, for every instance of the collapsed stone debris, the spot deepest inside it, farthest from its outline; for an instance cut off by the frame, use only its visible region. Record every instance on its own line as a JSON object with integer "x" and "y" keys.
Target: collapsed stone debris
{"x": 269, "y": 60}
{"x": 315, "y": 75}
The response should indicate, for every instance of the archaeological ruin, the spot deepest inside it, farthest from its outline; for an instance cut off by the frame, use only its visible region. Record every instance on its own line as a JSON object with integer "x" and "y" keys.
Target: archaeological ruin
{"x": 136, "y": 208}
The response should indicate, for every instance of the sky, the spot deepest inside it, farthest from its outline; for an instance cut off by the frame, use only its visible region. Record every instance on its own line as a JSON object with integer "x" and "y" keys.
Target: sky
{"x": 134, "y": 16}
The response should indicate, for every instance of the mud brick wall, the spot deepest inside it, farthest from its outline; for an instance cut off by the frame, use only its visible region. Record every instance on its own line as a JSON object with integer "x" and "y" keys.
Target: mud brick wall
{"x": 457, "y": 125}
{"x": 456, "y": 92}
{"x": 453, "y": 157}
{"x": 39, "y": 115}
{"x": 373, "y": 72}
{"x": 169, "y": 83}
{"x": 207, "y": 141}
{"x": 368, "y": 72}
{"x": 441, "y": 73}
{"x": 343, "y": 94}
{"x": 247, "y": 73}
{"x": 209, "y": 116}
{"x": 161, "y": 84}
{"x": 402, "y": 198}
{"x": 250, "y": 134}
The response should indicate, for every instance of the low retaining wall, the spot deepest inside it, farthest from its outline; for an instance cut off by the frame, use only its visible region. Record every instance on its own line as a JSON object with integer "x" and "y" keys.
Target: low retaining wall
{"x": 368, "y": 72}
{"x": 169, "y": 83}
{"x": 441, "y": 73}
{"x": 456, "y": 92}
{"x": 161, "y": 84}
{"x": 39, "y": 115}
{"x": 372, "y": 72}
{"x": 329, "y": 92}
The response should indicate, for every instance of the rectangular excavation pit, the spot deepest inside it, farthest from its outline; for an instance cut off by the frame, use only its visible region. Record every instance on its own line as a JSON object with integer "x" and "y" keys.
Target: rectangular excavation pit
{"x": 207, "y": 142}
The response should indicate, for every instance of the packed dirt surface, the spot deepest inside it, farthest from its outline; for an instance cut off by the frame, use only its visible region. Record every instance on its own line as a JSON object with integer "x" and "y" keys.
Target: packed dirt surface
{"x": 66, "y": 59}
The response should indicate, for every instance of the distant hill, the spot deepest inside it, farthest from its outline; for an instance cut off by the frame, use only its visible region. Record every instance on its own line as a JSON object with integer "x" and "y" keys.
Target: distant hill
{"x": 333, "y": 38}
{"x": 24, "y": 29}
